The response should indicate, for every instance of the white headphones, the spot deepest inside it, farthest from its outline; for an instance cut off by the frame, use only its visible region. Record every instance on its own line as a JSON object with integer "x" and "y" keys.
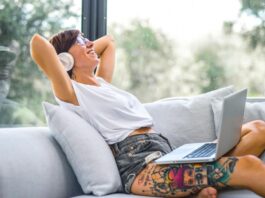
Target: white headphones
{"x": 67, "y": 60}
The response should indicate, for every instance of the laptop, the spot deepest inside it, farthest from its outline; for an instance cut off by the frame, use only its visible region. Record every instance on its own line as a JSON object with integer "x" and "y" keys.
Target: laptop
{"x": 229, "y": 135}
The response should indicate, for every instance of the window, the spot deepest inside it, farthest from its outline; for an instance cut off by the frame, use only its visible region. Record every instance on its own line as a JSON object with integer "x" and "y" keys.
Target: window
{"x": 165, "y": 48}
{"x": 181, "y": 48}
{"x": 22, "y": 85}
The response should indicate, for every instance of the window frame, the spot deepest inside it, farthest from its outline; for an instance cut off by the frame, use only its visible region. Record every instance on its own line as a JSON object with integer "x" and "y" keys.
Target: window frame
{"x": 94, "y": 18}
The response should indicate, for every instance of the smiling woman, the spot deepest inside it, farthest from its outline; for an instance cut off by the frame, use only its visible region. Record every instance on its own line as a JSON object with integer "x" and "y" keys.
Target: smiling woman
{"x": 148, "y": 56}
{"x": 85, "y": 54}
{"x": 127, "y": 127}
{"x": 80, "y": 48}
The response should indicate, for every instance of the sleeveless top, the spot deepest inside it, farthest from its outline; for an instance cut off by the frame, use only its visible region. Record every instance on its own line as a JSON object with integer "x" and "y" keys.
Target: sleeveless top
{"x": 113, "y": 112}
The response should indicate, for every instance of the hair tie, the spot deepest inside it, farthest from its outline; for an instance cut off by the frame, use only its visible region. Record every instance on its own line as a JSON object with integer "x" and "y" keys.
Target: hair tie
{"x": 67, "y": 60}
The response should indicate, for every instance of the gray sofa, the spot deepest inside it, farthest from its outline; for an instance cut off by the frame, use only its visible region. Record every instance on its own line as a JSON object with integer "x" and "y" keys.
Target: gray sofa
{"x": 32, "y": 164}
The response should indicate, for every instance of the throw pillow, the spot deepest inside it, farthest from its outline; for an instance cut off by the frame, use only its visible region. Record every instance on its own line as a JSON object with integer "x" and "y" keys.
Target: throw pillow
{"x": 186, "y": 120}
{"x": 253, "y": 111}
{"x": 85, "y": 149}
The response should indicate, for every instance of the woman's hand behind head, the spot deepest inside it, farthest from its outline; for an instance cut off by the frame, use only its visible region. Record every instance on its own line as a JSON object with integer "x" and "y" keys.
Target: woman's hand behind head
{"x": 45, "y": 56}
{"x": 42, "y": 51}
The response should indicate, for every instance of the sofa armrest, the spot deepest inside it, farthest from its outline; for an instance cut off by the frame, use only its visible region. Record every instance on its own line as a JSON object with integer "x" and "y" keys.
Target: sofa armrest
{"x": 33, "y": 165}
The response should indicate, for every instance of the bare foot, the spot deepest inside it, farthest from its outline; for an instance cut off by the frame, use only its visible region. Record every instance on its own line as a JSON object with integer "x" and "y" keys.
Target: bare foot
{"x": 208, "y": 192}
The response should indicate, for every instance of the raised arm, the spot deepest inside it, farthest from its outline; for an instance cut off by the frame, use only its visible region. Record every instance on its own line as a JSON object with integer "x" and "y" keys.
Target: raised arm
{"x": 105, "y": 48}
{"x": 44, "y": 55}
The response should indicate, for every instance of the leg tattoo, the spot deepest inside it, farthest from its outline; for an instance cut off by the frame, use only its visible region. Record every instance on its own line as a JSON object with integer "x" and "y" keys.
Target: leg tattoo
{"x": 172, "y": 179}
{"x": 219, "y": 174}
{"x": 179, "y": 178}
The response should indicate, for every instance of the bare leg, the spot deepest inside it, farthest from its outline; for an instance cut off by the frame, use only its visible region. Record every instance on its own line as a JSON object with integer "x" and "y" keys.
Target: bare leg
{"x": 252, "y": 142}
{"x": 184, "y": 180}
{"x": 252, "y": 139}
{"x": 249, "y": 173}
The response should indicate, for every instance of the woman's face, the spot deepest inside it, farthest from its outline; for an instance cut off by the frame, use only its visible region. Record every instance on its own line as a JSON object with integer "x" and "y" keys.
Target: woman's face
{"x": 84, "y": 53}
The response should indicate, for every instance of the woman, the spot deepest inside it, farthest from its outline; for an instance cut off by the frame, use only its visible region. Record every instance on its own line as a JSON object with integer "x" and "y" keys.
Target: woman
{"x": 127, "y": 127}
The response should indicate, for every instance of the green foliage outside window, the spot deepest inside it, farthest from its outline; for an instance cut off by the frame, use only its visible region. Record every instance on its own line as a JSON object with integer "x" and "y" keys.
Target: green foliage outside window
{"x": 157, "y": 68}
{"x": 256, "y": 35}
{"x": 19, "y": 20}
{"x": 145, "y": 56}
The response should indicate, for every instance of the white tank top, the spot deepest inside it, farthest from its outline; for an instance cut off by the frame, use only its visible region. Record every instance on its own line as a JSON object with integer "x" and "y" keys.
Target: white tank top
{"x": 113, "y": 112}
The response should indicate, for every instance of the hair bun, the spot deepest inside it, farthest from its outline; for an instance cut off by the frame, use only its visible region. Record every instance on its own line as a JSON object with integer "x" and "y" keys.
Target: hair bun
{"x": 67, "y": 60}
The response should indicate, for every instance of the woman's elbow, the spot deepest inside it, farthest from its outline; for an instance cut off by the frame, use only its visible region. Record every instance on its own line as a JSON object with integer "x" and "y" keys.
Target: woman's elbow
{"x": 36, "y": 45}
{"x": 110, "y": 39}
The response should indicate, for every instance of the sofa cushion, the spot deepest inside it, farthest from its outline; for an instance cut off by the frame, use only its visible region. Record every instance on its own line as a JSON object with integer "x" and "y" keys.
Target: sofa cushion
{"x": 253, "y": 111}
{"x": 221, "y": 194}
{"x": 188, "y": 120}
{"x": 86, "y": 151}
{"x": 117, "y": 195}
{"x": 235, "y": 193}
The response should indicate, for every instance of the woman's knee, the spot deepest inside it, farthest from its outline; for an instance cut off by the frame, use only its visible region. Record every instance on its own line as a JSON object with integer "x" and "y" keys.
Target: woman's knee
{"x": 250, "y": 162}
{"x": 258, "y": 131}
{"x": 246, "y": 168}
{"x": 258, "y": 125}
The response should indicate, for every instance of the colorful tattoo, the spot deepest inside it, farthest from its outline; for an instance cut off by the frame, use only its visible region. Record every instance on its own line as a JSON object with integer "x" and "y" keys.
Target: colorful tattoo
{"x": 220, "y": 173}
{"x": 171, "y": 179}
{"x": 180, "y": 178}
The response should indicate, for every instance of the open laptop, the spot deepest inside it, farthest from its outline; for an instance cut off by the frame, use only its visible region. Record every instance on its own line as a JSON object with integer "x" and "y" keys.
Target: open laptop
{"x": 229, "y": 135}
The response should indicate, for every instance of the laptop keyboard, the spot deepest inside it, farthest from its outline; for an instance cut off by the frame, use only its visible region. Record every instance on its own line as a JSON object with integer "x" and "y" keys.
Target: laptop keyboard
{"x": 205, "y": 150}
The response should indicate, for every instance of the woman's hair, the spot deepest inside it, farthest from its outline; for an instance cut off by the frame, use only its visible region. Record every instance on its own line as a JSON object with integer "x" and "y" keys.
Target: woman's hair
{"x": 63, "y": 41}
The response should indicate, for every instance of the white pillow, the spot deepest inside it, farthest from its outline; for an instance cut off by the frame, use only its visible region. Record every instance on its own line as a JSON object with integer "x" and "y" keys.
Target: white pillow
{"x": 87, "y": 152}
{"x": 253, "y": 111}
{"x": 187, "y": 120}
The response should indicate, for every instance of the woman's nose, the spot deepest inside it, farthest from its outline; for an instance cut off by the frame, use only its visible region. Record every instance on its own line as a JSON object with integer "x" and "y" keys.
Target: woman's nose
{"x": 89, "y": 43}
